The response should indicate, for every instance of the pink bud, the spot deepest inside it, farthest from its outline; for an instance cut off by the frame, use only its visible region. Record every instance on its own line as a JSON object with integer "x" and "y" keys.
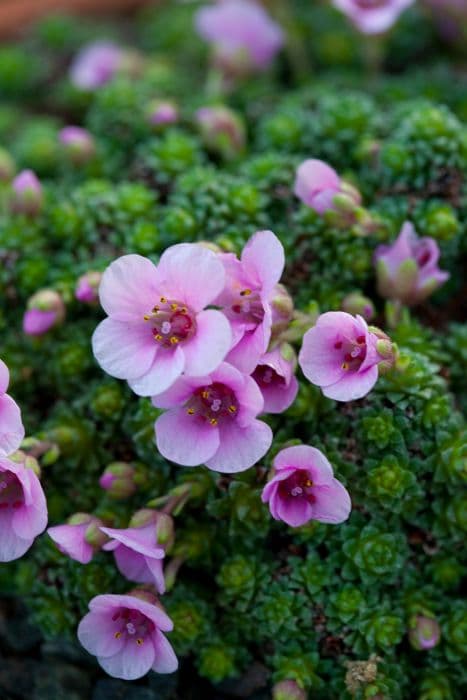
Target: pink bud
{"x": 77, "y": 143}
{"x": 45, "y": 310}
{"x": 27, "y": 197}
{"x": 162, "y": 112}
{"x": 424, "y": 632}
{"x": 87, "y": 288}
{"x": 288, "y": 690}
{"x": 222, "y": 130}
{"x": 118, "y": 480}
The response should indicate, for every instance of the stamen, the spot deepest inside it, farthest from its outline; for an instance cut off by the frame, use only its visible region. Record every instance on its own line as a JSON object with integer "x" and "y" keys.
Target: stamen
{"x": 117, "y": 635}
{"x": 183, "y": 310}
{"x": 245, "y": 293}
{"x": 344, "y": 365}
{"x": 158, "y": 336}
{"x": 205, "y": 394}
{"x": 308, "y": 483}
{"x": 139, "y": 641}
{"x": 147, "y": 317}
{"x": 155, "y": 309}
{"x": 213, "y": 421}
{"x": 163, "y": 300}
{"x": 174, "y": 306}
{"x": 232, "y": 409}
{"x": 190, "y": 411}
{"x": 174, "y": 340}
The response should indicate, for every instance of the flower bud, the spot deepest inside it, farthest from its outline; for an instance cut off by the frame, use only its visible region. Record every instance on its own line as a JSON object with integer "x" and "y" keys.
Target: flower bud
{"x": 282, "y": 309}
{"x": 355, "y": 303}
{"x": 424, "y": 632}
{"x": 142, "y": 517}
{"x": 87, "y": 288}
{"x": 165, "y": 530}
{"x": 118, "y": 479}
{"x": 92, "y": 534}
{"x": 29, "y": 462}
{"x": 160, "y": 113}
{"x": 144, "y": 594}
{"x": 7, "y": 166}
{"x": 222, "y": 130}
{"x": 77, "y": 143}
{"x": 288, "y": 690}
{"x": 386, "y": 349}
{"x": 45, "y": 310}
{"x": 27, "y": 196}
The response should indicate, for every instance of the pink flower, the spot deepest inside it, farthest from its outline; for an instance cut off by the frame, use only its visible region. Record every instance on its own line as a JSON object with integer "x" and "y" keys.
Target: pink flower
{"x": 303, "y": 488}
{"x": 137, "y": 555}
{"x": 80, "y": 538}
{"x": 162, "y": 112}
{"x": 78, "y": 143}
{"x": 424, "y": 632}
{"x": 27, "y": 195}
{"x": 274, "y": 375}
{"x": 95, "y": 65}
{"x": 242, "y": 33}
{"x": 340, "y": 355}
{"x": 125, "y": 634}
{"x": 212, "y": 421}
{"x": 246, "y": 298}
{"x": 316, "y": 184}
{"x": 87, "y": 288}
{"x": 45, "y": 310}
{"x": 158, "y": 326}
{"x": 372, "y": 16}
{"x": 11, "y": 425}
{"x": 23, "y": 510}
{"x": 408, "y": 269}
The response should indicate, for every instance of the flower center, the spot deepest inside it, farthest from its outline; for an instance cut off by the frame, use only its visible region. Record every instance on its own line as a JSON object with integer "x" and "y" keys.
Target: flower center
{"x": 351, "y": 352}
{"x": 11, "y": 491}
{"x": 247, "y": 307}
{"x": 215, "y": 403}
{"x": 297, "y": 485}
{"x": 171, "y": 322}
{"x": 133, "y": 625}
{"x": 266, "y": 376}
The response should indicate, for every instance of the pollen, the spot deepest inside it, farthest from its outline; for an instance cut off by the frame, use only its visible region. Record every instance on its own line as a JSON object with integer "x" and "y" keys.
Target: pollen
{"x": 147, "y": 317}
{"x": 174, "y": 340}
{"x": 190, "y": 411}
{"x": 117, "y": 635}
{"x": 139, "y": 641}
{"x": 245, "y": 293}
{"x": 163, "y": 300}
{"x": 183, "y": 310}
{"x": 232, "y": 409}
{"x": 174, "y": 306}
{"x": 155, "y": 309}
{"x": 345, "y": 365}
{"x": 213, "y": 421}
{"x": 158, "y": 336}
{"x": 308, "y": 483}
{"x": 205, "y": 394}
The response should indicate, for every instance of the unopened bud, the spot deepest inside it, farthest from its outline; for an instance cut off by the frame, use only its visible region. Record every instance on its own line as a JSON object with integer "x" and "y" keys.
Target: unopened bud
{"x": 222, "y": 130}
{"x": 165, "y": 530}
{"x": 7, "y": 166}
{"x": 424, "y": 632}
{"x": 87, "y": 288}
{"x": 27, "y": 197}
{"x": 288, "y": 690}
{"x": 355, "y": 303}
{"x": 161, "y": 113}
{"x": 144, "y": 516}
{"x": 282, "y": 309}
{"x": 77, "y": 143}
{"x": 118, "y": 479}
{"x": 45, "y": 310}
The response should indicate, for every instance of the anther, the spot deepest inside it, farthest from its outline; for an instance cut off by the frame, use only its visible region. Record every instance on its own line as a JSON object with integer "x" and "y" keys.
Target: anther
{"x": 139, "y": 641}
{"x": 158, "y": 336}
{"x": 174, "y": 306}
{"x": 190, "y": 411}
{"x": 205, "y": 394}
{"x": 308, "y": 483}
{"x": 213, "y": 421}
{"x": 344, "y": 365}
{"x": 174, "y": 340}
{"x": 146, "y": 317}
{"x": 163, "y": 300}
{"x": 117, "y": 635}
{"x": 232, "y": 409}
{"x": 245, "y": 293}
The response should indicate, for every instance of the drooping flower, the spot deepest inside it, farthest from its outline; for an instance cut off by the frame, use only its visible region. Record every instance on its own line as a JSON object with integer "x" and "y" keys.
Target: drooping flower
{"x": 158, "y": 325}
{"x": 79, "y": 538}
{"x": 408, "y": 269}
{"x": 87, "y": 288}
{"x": 341, "y": 355}
{"x": 23, "y": 509}
{"x": 319, "y": 186}
{"x": 274, "y": 375}
{"x": 246, "y": 298}
{"x": 78, "y": 143}
{"x": 124, "y": 632}
{"x": 222, "y": 130}
{"x": 373, "y": 16}
{"x": 27, "y": 196}
{"x": 303, "y": 488}
{"x": 137, "y": 555}
{"x": 424, "y": 632}
{"x": 95, "y": 65}
{"x": 212, "y": 420}
{"x": 45, "y": 311}
{"x": 162, "y": 112}
{"x": 11, "y": 425}
{"x": 243, "y": 36}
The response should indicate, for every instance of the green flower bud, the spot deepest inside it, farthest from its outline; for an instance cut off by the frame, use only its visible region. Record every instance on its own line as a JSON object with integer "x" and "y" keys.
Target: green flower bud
{"x": 356, "y": 303}
{"x": 7, "y": 166}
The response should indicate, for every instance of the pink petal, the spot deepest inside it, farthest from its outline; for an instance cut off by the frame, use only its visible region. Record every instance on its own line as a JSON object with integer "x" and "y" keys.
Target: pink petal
{"x": 312, "y": 177}
{"x": 305, "y": 457}
{"x": 132, "y": 565}
{"x": 166, "y": 368}
{"x": 11, "y": 546}
{"x": 165, "y": 659}
{"x": 184, "y": 439}
{"x": 70, "y": 540}
{"x": 211, "y": 343}
{"x": 139, "y": 539}
{"x": 240, "y": 448}
{"x": 278, "y": 398}
{"x": 123, "y": 350}
{"x": 294, "y": 511}
{"x": 191, "y": 274}
{"x": 129, "y": 288}
{"x": 11, "y": 426}
{"x": 332, "y": 503}
{"x": 37, "y": 322}
{"x": 353, "y": 386}
{"x": 132, "y": 662}
{"x": 263, "y": 259}
{"x": 179, "y": 392}
{"x": 153, "y": 612}
{"x": 31, "y": 518}
{"x": 96, "y": 633}
{"x": 156, "y": 570}
{"x": 4, "y": 377}
{"x": 250, "y": 400}
{"x": 246, "y": 354}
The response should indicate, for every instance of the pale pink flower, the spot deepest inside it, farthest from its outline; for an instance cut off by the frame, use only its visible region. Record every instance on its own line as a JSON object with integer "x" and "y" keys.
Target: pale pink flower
{"x": 212, "y": 420}
{"x": 340, "y": 355}
{"x": 11, "y": 425}
{"x": 137, "y": 555}
{"x": 246, "y": 299}
{"x": 158, "y": 325}
{"x": 274, "y": 375}
{"x": 243, "y": 35}
{"x": 373, "y": 16}
{"x": 407, "y": 270}
{"x": 79, "y": 538}
{"x": 23, "y": 509}
{"x": 95, "y": 65}
{"x": 303, "y": 488}
{"x": 125, "y": 634}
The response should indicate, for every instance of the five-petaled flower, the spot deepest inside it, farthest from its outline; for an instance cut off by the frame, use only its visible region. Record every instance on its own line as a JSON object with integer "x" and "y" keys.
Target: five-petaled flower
{"x": 340, "y": 355}
{"x": 124, "y": 632}
{"x": 158, "y": 326}
{"x": 303, "y": 488}
{"x": 212, "y": 420}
